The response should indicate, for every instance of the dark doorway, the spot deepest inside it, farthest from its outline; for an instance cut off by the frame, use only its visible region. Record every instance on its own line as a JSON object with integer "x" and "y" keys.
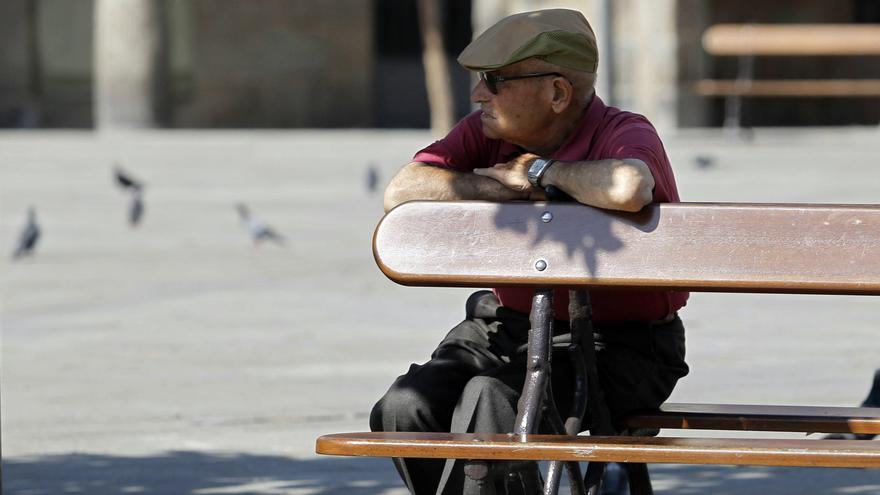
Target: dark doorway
{"x": 401, "y": 100}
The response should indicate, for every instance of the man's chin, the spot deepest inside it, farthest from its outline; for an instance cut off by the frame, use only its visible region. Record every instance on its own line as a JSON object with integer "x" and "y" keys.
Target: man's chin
{"x": 489, "y": 131}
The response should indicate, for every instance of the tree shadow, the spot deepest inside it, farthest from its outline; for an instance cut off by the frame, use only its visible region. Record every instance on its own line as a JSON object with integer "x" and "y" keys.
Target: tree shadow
{"x": 724, "y": 480}
{"x": 186, "y": 472}
{"x": 581, "y": 230}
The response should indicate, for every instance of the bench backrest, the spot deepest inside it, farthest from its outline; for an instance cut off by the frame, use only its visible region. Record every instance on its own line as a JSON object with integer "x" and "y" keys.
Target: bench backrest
{"x": 792, "y": 39}
{"x": 789, "y": 248}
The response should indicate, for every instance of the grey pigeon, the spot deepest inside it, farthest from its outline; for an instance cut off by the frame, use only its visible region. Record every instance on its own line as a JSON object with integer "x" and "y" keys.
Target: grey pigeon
{"x": 136, "y": 210}
{"x": 134, "y": 187}
{"x": 29, "y": 236}
{"x": 372, "y": 178}
{"x": 704, "y": 161}
{"x": 258, "y": 230}
{"x": 125, "y": 180}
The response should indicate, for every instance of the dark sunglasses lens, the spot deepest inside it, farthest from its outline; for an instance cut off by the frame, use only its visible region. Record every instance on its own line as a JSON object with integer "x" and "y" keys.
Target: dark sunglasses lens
{"x": 489, "y": 79}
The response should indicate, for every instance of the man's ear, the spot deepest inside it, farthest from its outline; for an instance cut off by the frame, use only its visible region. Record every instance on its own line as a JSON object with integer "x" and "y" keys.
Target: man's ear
{"x": 562, "y": 94}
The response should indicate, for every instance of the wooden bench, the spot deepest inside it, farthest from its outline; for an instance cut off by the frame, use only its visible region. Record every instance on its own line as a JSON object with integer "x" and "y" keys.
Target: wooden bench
{"x": 747, "y": 41}
{"x": 807, "y": 419}
{"x": 815, "y": 249}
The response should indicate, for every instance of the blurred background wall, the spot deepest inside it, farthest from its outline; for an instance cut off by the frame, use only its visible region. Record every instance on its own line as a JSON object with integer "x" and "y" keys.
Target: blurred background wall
{"x": 358, "y": 63}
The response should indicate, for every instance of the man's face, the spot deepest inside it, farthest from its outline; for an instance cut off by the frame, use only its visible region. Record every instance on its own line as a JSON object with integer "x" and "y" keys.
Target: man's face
{"x": 520, "y": 110}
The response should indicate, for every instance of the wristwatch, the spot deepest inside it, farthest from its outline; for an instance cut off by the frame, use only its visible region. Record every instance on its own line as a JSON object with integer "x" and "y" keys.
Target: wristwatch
{"x": 537, "y": 170}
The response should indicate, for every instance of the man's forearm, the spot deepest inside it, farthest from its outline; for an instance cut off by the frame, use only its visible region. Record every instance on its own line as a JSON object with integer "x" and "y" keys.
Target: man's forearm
{"x": 612, "y": 184}
{"x": 420, "y": 181}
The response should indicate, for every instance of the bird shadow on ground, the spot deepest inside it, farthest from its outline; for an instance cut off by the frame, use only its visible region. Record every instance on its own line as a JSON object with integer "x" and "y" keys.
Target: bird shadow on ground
{"x": 183, "y": 472}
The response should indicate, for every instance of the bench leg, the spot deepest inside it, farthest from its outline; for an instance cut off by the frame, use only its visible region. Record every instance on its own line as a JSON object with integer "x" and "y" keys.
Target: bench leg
{"x": 554, "y": 473}
{"x": 531, "y": 400}
{"x": 580, "y": 318}
{"x": 537, "y": 392}
{"x": 537, "y": 364}
{"x": 581, "y": 321}
{"x": 581, "y": 326}
{"x": 537, "y": 397}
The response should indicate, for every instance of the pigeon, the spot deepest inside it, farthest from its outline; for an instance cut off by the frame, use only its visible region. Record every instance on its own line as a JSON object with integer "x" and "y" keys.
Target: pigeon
{"x": 372, "y": 178}
{"x": 257, "y": 229}
{"x": 30, "y": 234}
{"x": 136, "y": 210}
{"x": 135, "y": 188}
{"x": 125, "y": 181}
{"x": 704, "y": 161}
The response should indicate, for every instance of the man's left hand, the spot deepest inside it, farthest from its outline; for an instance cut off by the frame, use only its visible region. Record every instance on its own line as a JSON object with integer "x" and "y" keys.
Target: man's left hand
{"x": 513, "y": 174}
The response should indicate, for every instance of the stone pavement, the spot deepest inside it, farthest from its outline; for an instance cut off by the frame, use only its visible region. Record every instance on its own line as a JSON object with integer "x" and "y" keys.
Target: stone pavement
{"x": 178, "y": 358}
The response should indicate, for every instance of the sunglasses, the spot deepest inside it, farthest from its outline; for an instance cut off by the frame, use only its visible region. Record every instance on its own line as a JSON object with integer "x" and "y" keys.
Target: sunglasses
{"x": 492, "y": 80}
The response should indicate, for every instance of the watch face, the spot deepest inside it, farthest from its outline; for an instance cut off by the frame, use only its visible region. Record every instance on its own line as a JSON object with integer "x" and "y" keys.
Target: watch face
{"x": 536, "y": 171}
{"x": 533, "y": 172}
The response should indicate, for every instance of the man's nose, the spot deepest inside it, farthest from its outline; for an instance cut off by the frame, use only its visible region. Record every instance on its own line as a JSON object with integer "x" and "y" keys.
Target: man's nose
{"x": 480, "y": 93}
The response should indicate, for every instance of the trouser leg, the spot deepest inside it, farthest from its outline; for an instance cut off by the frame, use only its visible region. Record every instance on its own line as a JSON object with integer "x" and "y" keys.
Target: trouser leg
{"x": 636, "y": 370}
{"x": 639, "y": 365}
{"x": 417, "y": 401}
{"x": 487, "y": 405}
{"x": 425, "y": 398}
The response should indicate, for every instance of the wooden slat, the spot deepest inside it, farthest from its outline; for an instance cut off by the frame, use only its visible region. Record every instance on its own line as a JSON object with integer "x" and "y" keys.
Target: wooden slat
{"x": 808, "y": 419}
{"x": 792, "y": 248}
{"x": 792, "y": 39}
{"x": 763, "y": 452}
{"x": 851, "y": 88}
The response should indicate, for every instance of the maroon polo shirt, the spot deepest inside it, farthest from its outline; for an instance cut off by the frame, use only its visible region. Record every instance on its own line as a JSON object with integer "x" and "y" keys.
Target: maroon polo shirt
{"x": 604, "y": 132}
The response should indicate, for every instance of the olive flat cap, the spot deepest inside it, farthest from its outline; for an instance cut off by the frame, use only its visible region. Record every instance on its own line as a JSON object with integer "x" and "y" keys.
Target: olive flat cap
{"x": 559, "y": 36}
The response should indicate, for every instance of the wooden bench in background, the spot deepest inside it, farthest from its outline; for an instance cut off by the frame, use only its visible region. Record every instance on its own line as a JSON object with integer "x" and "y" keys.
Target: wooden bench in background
{"x": 747, "y": 41}
{"x": 794, "y": 248}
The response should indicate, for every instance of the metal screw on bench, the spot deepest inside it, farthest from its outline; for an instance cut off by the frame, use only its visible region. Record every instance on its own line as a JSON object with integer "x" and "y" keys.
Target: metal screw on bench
{"x": 546, "y": 217}
{"x": 541, "y": 265}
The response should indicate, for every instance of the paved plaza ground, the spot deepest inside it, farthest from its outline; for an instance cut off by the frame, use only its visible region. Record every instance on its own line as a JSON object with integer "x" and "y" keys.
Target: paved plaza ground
{"x": 178, "y": 358}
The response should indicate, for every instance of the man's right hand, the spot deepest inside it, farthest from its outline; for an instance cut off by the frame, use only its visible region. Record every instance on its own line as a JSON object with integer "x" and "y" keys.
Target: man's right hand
{"x": 513, "y": 174}
{"x": 422, "y": 181}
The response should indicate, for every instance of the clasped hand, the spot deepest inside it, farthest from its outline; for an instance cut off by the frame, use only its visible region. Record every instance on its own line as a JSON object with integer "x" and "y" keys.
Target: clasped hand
{"x": 514, "y": 175}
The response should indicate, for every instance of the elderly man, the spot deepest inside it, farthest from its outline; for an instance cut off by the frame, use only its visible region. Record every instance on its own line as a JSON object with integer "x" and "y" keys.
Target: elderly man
{"x": 541, "y": 132}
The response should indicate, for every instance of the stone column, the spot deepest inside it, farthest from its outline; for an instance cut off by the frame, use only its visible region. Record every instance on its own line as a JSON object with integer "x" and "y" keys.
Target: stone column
{"x": 653, "y": 59}
{"x": 601, "y": 15}
{"x": 130, "y": 63}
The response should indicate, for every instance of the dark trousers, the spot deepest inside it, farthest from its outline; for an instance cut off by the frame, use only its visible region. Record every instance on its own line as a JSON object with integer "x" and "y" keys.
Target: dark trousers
{"x": 474, "y": 378}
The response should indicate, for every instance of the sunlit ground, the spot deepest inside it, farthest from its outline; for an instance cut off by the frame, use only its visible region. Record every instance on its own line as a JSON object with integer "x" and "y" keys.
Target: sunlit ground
{"x": 178, "y": 357}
